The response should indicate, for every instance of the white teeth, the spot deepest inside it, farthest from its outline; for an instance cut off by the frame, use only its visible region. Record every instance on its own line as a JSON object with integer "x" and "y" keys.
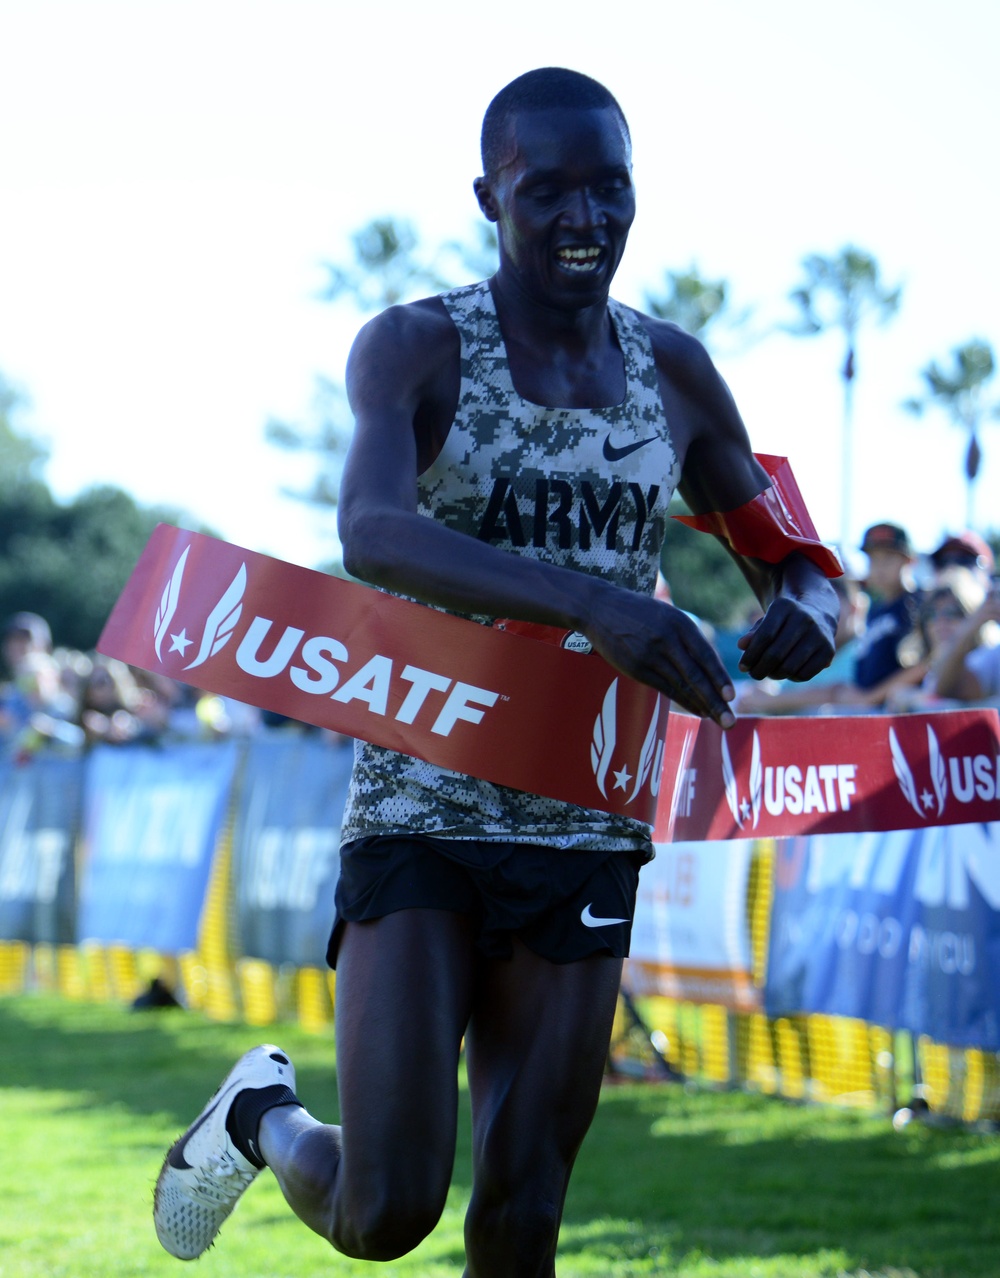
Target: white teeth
{"x": 579, "y": 259}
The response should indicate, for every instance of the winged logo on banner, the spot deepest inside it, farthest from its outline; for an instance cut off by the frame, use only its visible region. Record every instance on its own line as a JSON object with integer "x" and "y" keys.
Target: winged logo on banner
{"x": 647, "y": 752}
{"x": 756, "y": 778}
{"x": 605, "y": 735}
{"x": 729, "y": 780}
{"x": 656, "y": 779}
{"x": 168, "y": 604}
{"x": 222, "y": 619}
{"x": 939, "y": 777}
{"x": 903, "y": 774}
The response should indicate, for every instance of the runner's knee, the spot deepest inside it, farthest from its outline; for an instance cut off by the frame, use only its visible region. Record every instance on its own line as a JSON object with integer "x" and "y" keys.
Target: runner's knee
{"x": 387, "y": 1225}
{"x": 520, "y": 1228}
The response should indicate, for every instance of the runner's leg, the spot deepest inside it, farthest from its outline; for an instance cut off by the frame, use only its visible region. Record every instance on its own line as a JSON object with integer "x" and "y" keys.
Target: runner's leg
{"x": 375, "y": 1186}
{"x": 536, "y": 1047}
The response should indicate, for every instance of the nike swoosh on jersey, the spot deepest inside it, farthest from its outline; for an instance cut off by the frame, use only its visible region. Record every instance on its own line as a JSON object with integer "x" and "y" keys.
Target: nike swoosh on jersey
{"x": 588, "y": 919}
{"x": 613, "y": 454}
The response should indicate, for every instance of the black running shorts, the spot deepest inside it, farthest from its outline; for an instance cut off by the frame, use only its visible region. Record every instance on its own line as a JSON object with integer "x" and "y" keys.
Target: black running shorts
{"x": 564, "y": 905}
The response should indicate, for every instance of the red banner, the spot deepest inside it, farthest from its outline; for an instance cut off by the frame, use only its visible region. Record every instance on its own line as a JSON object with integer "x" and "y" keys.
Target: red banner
{"x": 340, "y": 655}
{"x": 504, "y": 707}
{"x": 828, "y": 775}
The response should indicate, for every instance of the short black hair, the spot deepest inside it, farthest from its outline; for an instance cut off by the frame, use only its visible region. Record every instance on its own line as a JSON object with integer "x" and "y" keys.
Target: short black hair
{"x": 544, "y": 89}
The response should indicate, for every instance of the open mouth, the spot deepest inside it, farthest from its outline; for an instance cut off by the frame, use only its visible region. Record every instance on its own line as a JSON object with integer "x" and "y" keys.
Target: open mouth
{"x": 580, "y": 260}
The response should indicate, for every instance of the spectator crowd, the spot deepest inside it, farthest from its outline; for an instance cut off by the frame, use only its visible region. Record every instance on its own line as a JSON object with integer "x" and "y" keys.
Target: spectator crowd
{"x": 65, "y": 699}
{"x": 916, "y": 632}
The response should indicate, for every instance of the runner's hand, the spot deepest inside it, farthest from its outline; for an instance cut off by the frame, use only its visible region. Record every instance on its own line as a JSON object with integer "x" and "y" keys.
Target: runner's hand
{"x": 791, "y": 641}
{"x": 659, "y": 645}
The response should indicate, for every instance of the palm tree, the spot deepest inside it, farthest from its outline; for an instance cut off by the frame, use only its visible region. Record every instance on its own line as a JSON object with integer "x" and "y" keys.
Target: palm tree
{"x": 959, "y": 392}
{"x": 842, "y": 292}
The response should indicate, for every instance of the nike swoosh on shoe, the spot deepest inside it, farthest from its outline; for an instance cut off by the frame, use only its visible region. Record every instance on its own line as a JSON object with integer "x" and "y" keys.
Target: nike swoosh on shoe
{"x": 176, "y": 1155}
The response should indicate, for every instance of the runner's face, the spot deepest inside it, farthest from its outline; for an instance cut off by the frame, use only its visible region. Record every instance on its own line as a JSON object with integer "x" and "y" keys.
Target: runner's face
{"x": 563, "y": 203}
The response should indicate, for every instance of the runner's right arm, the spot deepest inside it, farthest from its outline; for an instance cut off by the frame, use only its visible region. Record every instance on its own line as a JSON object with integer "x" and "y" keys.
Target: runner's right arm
{"x": 401, "y": 382}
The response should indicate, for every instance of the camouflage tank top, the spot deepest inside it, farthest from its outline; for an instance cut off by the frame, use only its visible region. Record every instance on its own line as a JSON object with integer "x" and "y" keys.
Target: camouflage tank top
{"x": 585, "y": 489}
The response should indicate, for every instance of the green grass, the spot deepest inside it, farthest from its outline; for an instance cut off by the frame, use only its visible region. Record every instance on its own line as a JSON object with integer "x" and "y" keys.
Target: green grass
{"x": 670, "y": 1181}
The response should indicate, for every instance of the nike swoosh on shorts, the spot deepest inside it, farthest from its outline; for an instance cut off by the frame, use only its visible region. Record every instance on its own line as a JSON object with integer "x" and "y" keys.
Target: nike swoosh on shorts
{"x": 588, "y": 919}
{"x": 613, "y": 454}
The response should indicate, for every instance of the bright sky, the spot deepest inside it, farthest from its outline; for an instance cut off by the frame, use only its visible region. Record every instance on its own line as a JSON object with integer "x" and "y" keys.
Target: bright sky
{"x": 174, "y": 172}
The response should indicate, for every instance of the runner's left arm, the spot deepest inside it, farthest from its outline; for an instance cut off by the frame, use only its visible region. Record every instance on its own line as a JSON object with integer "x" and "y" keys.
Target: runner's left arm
{"x": 795, "y": 637}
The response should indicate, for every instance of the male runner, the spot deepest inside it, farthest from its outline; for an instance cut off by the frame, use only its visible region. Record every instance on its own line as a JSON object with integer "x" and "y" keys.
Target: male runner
{"x": 517, "y": 444}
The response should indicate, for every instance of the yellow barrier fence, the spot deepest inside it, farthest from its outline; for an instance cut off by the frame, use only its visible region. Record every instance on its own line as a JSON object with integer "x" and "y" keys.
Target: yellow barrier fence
{"x": 824, "y": 1059}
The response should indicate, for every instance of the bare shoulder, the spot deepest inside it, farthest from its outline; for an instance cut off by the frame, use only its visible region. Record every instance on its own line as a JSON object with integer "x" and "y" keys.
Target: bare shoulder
{"x": 681, "y": 358}
{"x": 718, "y": 470}
{"x": 416, "y": 338}
{"x": 403, "y": 375}
{"x": 698, "y": 402}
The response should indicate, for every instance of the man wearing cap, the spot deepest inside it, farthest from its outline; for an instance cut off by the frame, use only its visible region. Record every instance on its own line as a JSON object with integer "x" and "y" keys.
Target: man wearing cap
{"x": 966, "y": 550}
{"x": 894, "y": 607}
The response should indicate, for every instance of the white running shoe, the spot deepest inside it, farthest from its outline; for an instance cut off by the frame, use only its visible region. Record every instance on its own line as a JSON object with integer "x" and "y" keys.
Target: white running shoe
{"x": 204, "y": 1174}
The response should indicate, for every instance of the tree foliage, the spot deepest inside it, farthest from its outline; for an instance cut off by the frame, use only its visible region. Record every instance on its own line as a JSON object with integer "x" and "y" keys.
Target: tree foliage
{"x": 960, "y": 391}
{"x": 702, "y": 576}
{"x": 700, "y": 306}
{"x": 326, "y": 435}
{"x": 69, "y": 562}
{"x": 387, "y": 267}
{"x": 842, "y": 292}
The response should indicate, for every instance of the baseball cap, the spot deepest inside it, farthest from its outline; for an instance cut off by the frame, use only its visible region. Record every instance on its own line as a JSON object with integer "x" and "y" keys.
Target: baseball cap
{"x": 887, "y": 537}
{"x": 966, "y": 548}
{"x": 31, "y": 624}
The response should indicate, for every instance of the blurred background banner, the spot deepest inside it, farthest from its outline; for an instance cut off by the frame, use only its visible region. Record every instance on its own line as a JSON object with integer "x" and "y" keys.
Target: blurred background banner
{"x": 691, "y": 936}
{"x": 39, "y": 817}
{"x": 151, "y": 822}
{"x": 286, "y": 847}
{"x": 900, "y": 929}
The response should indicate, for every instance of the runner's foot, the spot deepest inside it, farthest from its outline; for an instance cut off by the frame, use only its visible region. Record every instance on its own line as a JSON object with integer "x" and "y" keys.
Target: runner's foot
{"x": 206, "y": 1171}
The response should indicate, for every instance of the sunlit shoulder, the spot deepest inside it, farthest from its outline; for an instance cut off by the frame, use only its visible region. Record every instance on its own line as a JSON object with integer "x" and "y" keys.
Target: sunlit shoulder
{"x": 415, "y": 339}
{"x": 681, "y": 356}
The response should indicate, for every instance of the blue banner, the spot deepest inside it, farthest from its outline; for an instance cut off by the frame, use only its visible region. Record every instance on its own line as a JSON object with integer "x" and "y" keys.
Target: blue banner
{"x": 39, "y": 819}
{"x": 900, "y": 929}
{"x": 152, "y": 819}
{"x": 286, "y": 847}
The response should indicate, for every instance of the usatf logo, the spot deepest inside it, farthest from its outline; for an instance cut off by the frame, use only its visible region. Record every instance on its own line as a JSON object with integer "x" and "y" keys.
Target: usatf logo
{"x": 971, "y": 776}
{"x": 785, "y": 787}
{"x": 602, "y": 749}
{"x": 402, "y": 695}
